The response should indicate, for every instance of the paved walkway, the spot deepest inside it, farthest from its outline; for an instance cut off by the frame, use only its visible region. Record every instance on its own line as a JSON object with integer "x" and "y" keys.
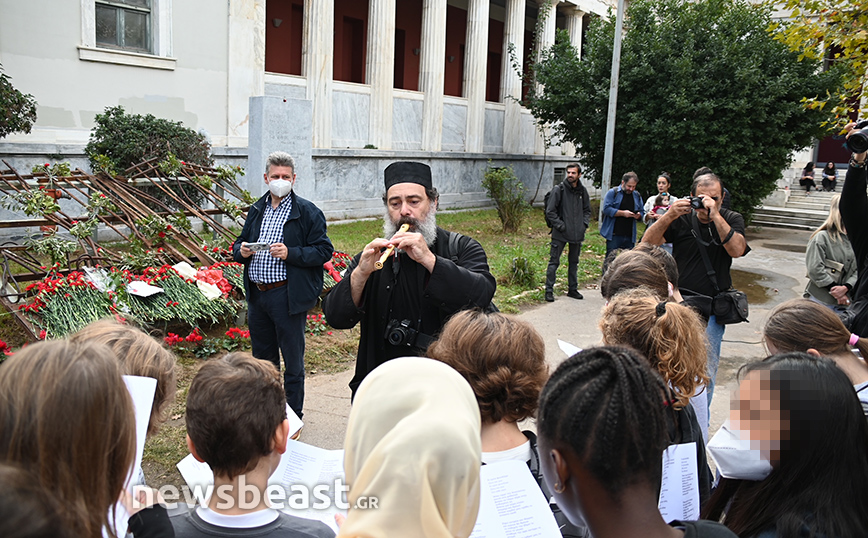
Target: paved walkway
{"x": 773, "y": 272}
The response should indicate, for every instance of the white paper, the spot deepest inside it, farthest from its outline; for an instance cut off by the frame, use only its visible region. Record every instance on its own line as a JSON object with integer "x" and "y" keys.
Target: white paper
{"x": 142, "y": 289}
{"x": 568, "y": 348}
{"x": 310, "y": 466}
{"x": 511, "y": 504}
{"x": 210, "y": 291}
{"x": 185, "y": 270}
{"x": 301, "y": 464}
{"x": 295, "y": 423}
{"x": 679, "y": 489}
{"x": 142, "y": 391}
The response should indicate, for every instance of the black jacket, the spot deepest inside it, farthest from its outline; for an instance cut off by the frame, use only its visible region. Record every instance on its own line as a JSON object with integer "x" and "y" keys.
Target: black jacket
{"x": 457, "y": 283}
{"x": 307, "y": 245}
{"x": 569, "y": 211}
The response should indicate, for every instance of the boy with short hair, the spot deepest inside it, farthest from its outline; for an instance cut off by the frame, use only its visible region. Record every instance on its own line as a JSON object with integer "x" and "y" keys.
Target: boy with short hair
{"x": 236, "y": 423}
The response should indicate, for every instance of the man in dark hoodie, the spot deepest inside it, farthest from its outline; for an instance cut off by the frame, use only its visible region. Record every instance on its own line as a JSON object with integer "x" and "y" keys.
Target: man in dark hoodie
{"x": 569, "y": 211}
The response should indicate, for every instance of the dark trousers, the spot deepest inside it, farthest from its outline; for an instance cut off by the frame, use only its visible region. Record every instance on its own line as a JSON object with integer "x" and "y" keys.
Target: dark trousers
{"x": 555, "y": 260}
{"x": 617, "y": 242}
{"x": 829, "y": 184}
{"x": 272, "y": 332}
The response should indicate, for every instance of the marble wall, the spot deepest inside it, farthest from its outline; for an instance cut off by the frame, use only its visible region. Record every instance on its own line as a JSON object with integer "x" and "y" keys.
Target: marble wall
{"x": 285, "y": 91}
{"x": 493, "y": 141}
{"x": 407, "y": 123}
{"x": 350, "y": 119}
{"x": 349, "y": 183}
{"x": 454, "y": 126}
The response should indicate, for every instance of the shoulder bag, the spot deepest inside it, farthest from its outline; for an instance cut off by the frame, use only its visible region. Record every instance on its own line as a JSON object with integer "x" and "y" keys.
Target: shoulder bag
{"x": 728, "y": 306}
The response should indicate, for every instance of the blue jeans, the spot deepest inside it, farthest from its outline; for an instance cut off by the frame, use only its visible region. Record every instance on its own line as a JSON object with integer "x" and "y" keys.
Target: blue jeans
{"x": 274, "y": 332}
{"x": 618, "y": 241}
{"x": 714, "y": 332}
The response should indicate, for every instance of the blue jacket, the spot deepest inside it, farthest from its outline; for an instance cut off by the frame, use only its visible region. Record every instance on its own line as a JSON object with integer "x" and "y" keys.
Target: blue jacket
{"x": 307, "y": 249}
{"x": 611, "y": 205}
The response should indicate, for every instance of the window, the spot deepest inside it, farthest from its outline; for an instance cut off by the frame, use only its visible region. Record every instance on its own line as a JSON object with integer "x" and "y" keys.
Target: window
{"x": 124, "y": 24}
{"x": 127, "y": 32}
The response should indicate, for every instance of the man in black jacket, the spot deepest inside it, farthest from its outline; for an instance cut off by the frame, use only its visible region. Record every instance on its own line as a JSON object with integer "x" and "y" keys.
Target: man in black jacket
{"x": 854, "y": 207}
{"x": 569, "y": 211}
{"x": 283, "y": 247}
{"x": 431, "y": 274}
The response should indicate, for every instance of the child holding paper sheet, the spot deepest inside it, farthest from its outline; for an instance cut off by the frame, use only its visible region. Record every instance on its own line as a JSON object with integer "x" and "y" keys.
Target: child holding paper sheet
{"x": 602, "y": 433}
{"x": 68, "y": 418}
{"x": 236, "y": 423}
{"x": 504, "y": 361}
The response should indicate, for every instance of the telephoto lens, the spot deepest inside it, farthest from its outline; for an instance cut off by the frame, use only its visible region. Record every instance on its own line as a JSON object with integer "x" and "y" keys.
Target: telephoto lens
{"x": 858, "y": 142}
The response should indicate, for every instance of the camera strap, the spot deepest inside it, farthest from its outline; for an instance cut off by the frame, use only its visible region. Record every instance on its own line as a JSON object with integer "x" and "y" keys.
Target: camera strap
{"x": 702, "y": 245}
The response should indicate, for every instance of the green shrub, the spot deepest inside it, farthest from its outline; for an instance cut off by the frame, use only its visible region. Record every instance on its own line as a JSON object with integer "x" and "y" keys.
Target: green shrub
{"x": 503, "y": 186}
{"x": 522, "y": 271}
{"x": 17, "y": 110}
{"x": 127, "y": 139}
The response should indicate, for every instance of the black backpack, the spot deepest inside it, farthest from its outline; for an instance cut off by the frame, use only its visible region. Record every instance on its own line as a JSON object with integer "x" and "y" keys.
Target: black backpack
{"x": 546, "y": 204}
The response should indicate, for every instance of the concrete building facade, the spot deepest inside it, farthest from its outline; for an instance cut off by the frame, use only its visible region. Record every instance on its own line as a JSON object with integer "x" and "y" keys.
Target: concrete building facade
{"x": 375, "y": 80}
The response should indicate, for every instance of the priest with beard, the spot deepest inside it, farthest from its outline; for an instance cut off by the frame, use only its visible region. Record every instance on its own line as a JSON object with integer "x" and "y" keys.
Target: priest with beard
{"x": 431, "y": 274}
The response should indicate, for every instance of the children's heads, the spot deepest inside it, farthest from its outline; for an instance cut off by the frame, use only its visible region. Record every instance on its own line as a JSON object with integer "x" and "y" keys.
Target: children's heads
{"x": 802, "y": 415}
{"x": 602, "y": 427}
{"x": 634, "y": 269}
{"x": 501, "y": 357}
{"x": 800, "y": 325}
{"x": 413, "y": 441}
{"x": 669, "y": 335}
{"x": 67, "y": 417}
{"x": 140, "y": 355}
{"x": 236, "y": 414}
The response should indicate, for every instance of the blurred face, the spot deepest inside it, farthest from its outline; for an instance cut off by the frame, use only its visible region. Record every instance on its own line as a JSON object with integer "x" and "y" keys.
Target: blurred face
{"x": 572, "y": 175}
{"x": 755, "y": 410}
{"x": 407, "y": 203}
{"x": 662, "y": 185}
{"x": 629, "y": 186}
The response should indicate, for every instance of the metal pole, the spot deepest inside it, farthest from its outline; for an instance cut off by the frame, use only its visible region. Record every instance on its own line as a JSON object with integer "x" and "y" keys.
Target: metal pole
{"x": 606, "y": 180}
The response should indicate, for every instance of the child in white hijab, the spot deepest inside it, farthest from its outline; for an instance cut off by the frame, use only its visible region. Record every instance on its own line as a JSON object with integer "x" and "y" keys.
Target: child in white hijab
{"x": 413, "y": 442}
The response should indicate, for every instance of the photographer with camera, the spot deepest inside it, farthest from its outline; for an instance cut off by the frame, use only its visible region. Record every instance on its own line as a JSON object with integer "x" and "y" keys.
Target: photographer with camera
{"x": 699, "y": 222}
{"x": 404, "y": 300}
{"x": 854, "y": 207}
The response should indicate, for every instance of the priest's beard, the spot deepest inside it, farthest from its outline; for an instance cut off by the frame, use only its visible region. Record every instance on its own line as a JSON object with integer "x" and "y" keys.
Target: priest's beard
{"x": 427, "y": 227}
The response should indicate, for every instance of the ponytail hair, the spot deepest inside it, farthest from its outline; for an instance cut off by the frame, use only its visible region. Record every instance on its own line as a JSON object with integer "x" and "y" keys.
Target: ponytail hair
{"x": 800, "y": 324}
{"x": 668, "y": 334}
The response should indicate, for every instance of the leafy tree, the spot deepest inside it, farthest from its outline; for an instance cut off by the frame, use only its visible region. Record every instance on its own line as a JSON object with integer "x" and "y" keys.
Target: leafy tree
{"x": 837, "y": 29}
{"x": 17, "y": 110}
{"x": 120, "y": 140}
{"x": 701, "y": 84}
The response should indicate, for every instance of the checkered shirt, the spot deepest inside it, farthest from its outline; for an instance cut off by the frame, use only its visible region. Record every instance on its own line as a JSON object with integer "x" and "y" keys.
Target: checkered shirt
{"x": 265, "y": 268}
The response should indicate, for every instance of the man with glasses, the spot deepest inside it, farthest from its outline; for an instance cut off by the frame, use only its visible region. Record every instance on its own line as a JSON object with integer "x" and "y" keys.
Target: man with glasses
{"x": 721, "y": 235}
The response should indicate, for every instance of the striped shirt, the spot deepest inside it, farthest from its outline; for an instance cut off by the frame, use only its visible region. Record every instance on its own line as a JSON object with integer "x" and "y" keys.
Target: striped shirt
{"x": 265, "y": 268}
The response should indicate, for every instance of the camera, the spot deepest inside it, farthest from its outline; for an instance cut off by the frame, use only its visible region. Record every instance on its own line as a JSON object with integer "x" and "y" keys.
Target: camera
{"x": 400, "y": 333}
{"x": 696, "y": 202}
{"x": 858, "y": 142}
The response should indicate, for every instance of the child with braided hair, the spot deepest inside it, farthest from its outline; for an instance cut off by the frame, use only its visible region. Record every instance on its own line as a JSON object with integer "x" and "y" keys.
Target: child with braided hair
{"x": 809, "y": 327}
{"x": 602, "y": 431}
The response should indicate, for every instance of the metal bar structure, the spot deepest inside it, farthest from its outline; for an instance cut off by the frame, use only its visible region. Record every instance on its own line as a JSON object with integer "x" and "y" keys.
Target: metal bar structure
{"x": 142, "y": 194}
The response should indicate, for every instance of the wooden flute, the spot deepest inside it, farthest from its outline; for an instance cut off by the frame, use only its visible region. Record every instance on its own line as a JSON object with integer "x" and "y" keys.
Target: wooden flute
{"x": 389, "y": 250}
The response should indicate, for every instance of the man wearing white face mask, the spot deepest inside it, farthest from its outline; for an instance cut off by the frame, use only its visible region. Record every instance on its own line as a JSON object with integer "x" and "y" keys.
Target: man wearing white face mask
{"x": 283, "y": 247}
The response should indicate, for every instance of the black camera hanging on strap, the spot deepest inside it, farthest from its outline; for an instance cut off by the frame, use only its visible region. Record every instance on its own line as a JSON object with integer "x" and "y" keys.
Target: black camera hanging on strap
{"x": 727, "y": 306}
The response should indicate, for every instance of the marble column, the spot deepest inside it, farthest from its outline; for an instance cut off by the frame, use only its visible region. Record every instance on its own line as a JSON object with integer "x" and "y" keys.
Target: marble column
{"x": 510, "y": 84}
{"x": 475, "y": 71}
{"x": 546, "y": 40}
{"x": 245, "y": 75}
{"x": 575, "y": 18}
{"x": 381, "y": 70}
{"x": 318, "y": 66}
{"x": 431, "y": 72}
